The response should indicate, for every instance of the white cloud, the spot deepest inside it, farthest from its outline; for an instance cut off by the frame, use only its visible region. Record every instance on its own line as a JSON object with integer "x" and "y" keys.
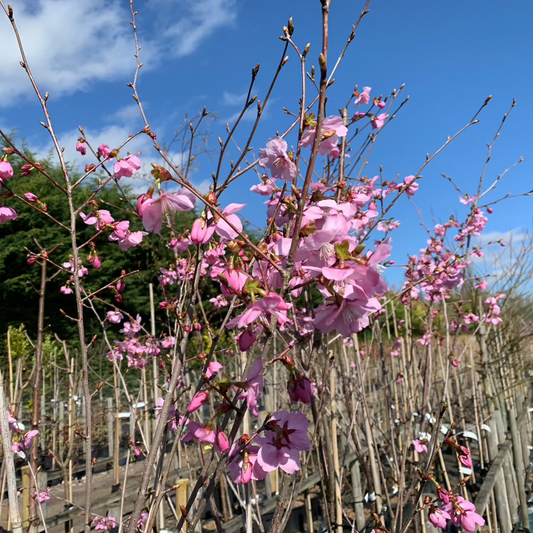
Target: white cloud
{"x": 68, "y": 45}
{"x": 199, "y": 19}
{"x": 233, "y": 98}
{"x": 71, "y": 45}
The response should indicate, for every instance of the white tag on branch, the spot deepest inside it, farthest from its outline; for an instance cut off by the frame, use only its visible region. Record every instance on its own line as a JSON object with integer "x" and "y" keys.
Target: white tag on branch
{"x": 423, "y": 435}
{"x": 430, "y": 418}
{"x": 470, "y": 435}
{"x": 444, "y": 430}
{"x": 394, "y": 490}
{"x": 21, "y": 454}
{"x": 465, "y": 471}
{"x": 486, "y": 428}
{"x": 372, "y": 497}
{"x": 139, "y": 405}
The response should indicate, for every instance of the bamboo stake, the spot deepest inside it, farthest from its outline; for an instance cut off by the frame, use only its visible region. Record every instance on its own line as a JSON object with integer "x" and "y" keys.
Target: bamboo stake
{"x": 14, "y": 513}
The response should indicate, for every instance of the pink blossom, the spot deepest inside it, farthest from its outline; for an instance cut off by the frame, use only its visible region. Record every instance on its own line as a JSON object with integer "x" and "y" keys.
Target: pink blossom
{"x": 6, "y": 170}
{"x": 348, "y": 316}
{"x": 332, "y": 128}
{"x": 411, "y": 186}
{"x": 101, "y": 218}
{"x": 419, "y": 446}
{"x": 21, "y": 446}
{"x": 115, "y": 317}
{"x": 223, "y": 229}
{"x": 378, "y": 121}
{"x": 275, "y": 158}
{"x": 104, "y": 151}
{"x": 467, "y": 200}
{"x": 299, "y": 389}
{"x": 219, "y": 301}
{"x": 265, "y": 189}
{"x": 213, "y": 368}
{"x": 42, "y": 496}
{"x": 364, "y": 97}
{"x": 284, "y": 439}
{"x": 125, "y": 168}
{"x": 103, "y": 524}
{"x": 464, "y": 456}
{"x": 246, "y": 339}
{"x": 438, "y": 517}
{"x": 271, "y": 305}
{"x": 31, "y": 197}
{"x": 243, "y": 465}
{"x": 463, "y": 514}
{"x": 425, "y": 340}
{"x": 7, "y": 214}
{"x": 201, "y": 233}
{"x": 151, "y": 210}
{"x": 142, "y": 520}
{"x": 66, "y": 290}
{"x": 81, "y": 148}
{"x": 253, "y": 386}
{"x": 198, "y": 400}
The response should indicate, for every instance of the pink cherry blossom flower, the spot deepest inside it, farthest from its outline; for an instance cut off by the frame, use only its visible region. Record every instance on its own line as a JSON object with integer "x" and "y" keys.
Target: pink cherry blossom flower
{"x": 151, "y": 210}
{"x": 377, "y": 122}
{"x": 265, "y": 189}
{"x": 284, "y": 439}
{"x": 142, "y": 520}
{"x": 253, "y": 386}
{"x": 66, "y": 290}
{"x": 411, "y": 186}
{"x": 103, "y": 524}
{"x": 27, "y": 169}
{"x": 332, "y": 128}
{"x": 464, "y": 456}
{"x": 275, "y": 158}
{"x": 213, "y": 368}
{"x": 101, "y": 218}
{"x": 463, "y": 514}
{"x": 270, "y": 305}
{"x": 201, "y": 233}
{"x": 223, "y": 229}
{"x": 7, "y": 214}
{"x": 348, "y": 316}
{"x": 81, "y": 148}
{"x": 246, "y": 339}
{"x": 438, "y": 517}
{"x": 243, "y": 465}
{"x": 198, "y": 400}
{"x": 364, "y": 97}
{"x": 104, "y": 151}
{"x": 444, "y": 495}
{"x": 467, "y": 200}
{"x": 115, "y": 317}
{"x": 31, "y": 197}
{"x": 219, "y": 301}
{"x": 419, "y": 446}
{"x": 299, "y": 389}
{"x": 26, "y": 443}
{"x": 42, "y": 496}
{"x": 6, "y": 170}
{"x": 168, "y": 342}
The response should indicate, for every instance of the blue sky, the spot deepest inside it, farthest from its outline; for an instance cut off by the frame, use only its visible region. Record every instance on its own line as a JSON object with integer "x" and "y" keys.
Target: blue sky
{"x": 451, "y": 56}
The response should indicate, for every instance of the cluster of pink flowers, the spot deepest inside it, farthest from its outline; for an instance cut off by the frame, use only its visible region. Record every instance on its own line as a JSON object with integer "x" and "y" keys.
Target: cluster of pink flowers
{"x": 7, "y": 214}
{"x": 101, "y": 523}
{"x": 492, "y": 316}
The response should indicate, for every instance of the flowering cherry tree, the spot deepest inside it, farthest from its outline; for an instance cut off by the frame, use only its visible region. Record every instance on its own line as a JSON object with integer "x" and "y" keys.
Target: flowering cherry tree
{"x": 310, "y": 282}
